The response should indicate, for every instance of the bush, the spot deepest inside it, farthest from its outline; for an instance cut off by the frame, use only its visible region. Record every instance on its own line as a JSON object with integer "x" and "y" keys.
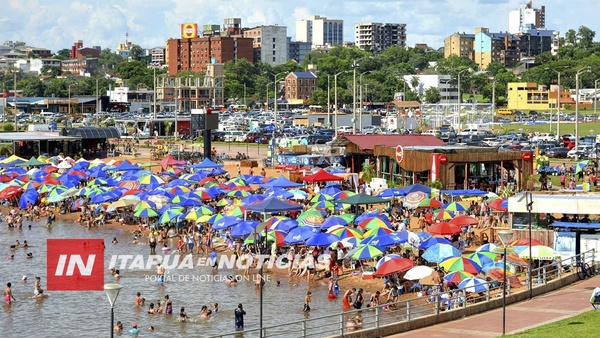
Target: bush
{"x": 8, "y": 127}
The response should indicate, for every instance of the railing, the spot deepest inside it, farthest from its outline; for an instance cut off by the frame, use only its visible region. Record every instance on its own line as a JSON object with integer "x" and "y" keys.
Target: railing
{"x": 406, "y": 310}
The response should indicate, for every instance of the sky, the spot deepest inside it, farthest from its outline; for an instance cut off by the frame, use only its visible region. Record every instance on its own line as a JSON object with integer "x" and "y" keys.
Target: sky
{"x": 56, "y": 24}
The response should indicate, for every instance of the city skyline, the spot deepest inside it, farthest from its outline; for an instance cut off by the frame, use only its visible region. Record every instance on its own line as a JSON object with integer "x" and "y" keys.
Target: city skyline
{"x": 57, "y": 24}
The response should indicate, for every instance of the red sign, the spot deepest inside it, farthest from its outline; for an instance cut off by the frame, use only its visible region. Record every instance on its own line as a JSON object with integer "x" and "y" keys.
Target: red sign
{"x": 399, "y": 154}
{"x": 443, "y": 159}
{"x": 75, "y": 264}
{"x": 526, "y": 156}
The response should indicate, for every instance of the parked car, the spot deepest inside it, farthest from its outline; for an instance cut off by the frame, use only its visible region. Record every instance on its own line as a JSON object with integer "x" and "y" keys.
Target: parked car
{"x": 251, "y": 137}
{"x": 318, "y": 139}
{"x": 582, "y": 151}
{"x": 557, "y": 152}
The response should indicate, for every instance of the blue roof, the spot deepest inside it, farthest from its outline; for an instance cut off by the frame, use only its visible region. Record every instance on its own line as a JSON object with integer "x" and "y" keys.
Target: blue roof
{"x": 305, "y": 75}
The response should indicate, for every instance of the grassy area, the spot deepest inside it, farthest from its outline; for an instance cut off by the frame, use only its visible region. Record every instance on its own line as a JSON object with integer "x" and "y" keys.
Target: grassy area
{"x": 585, "y": 128}
{"x": 583, "y": 325}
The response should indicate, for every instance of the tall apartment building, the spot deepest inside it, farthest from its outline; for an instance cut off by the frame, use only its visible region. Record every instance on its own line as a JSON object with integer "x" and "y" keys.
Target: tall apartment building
{"x": 518, "y": 19}
{"x": 460, "y": 44}
{"x": 496, "y": 47}
{"x": 377, "y": 37}
{"x": 320, "y": 31}
{"x": 536, "y": 41}
{"x": 196, "y": 53}
{"x": 297, "y": 50}
{"x": 270, "y": 44}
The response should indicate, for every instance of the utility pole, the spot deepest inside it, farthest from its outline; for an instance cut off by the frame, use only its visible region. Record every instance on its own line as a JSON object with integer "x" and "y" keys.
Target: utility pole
{"x": 354, "y": 66}
{"x": 328, "y": 104}
{"x": 585, "y": 69}
{"x": 154, "y": 94}
{"x": 15, "y": 99}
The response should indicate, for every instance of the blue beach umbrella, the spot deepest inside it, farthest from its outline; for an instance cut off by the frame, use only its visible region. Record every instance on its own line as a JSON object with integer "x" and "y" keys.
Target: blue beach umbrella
{"x": 433, "y": 241}
{"x": 226, "y": 222}
{"x": 300, "y": 235}
{"x": 440, "y": 252}
{"x": 474, "y": 284}
{"x": 322, "y": 239}
{"x": 243, "y": 228}
{"x": 333, "y": 221}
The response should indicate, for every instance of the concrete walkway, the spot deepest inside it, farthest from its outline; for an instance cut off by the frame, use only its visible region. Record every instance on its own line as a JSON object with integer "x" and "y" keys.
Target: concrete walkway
{"x": 560, "y": 304}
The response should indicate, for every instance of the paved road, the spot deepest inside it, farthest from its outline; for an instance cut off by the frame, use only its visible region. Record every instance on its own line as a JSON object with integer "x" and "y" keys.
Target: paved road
{"x": 561, "y": 304}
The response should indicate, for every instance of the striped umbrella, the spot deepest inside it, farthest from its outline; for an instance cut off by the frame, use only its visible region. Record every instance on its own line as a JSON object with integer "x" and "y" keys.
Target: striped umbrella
{"x": 489, "y": 247}
{"x": 377, "y": 232}
{"x": 457, "y": 276}
{"x": 148, "y": 212}
{"x": 276, "y": 236}
{"x": 461, "y": 264}
{"x": 284, "y": 224}
{"x": 374, "y": 223}
{"x": 238, "y": 193}
{"x": 367, "y": 252}
{"x": 455, "y": 207}
{"x": 314, "y": 213}
{"x": 432, "y": 241}
{"x": 444, "y": 215}
{"x": 351, "y": 241}
{"x": 151, "y": 180}
{"x": 385, "y": 259}
{"x": 333, "y": 221}
{"x": 347, "y": 232}
{"x": 483, "y": 258}
{"x": 430, "y": 203}
{"x": 343, "y": 194}
{"x": 144, "y": 205}
{"x": 394, "y": 265}
{"x": 321, "y": 197}
{"x": 168, "y": 216}
{"x": 474, "y": 284}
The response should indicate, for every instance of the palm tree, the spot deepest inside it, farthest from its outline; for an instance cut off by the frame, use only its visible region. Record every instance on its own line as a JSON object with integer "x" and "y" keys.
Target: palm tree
{"x": 368, "y": 172}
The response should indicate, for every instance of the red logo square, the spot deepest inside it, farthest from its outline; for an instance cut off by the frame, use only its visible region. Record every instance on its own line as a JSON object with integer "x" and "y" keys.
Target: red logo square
{"x": 75, "y": 264}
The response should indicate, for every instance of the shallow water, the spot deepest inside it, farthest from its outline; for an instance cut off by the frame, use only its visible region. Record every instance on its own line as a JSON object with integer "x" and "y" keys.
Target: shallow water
{"x": 87, "y": 313}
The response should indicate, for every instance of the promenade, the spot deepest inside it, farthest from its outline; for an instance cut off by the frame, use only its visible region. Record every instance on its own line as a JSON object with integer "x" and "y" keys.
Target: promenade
{"x": 560, "y": 304}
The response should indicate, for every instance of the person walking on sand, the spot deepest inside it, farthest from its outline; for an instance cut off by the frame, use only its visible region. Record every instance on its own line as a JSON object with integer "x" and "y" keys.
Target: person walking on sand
{"x": 8, "y": 295}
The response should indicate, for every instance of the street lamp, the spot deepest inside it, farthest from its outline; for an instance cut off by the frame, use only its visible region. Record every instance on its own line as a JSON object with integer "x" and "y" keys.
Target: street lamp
{"x": 335, "y": 99}
{"x": 273, "y": 138}
{"x": 529, "y": 205}
{"x": 505, "y": 236}
{"x": 361, "y": 100}
{"x": 15, "y": 99}
{"x": 557, "y": 105}
{"x": 584, "y": 69}
{"x": 112, "y": 291}
{"x": 459, "y": 95}
{"x": 354, "y": 66}
{"x": 328, "y": 104}
{"x": 595, "y": 94}
{"x": 493, "y": 99}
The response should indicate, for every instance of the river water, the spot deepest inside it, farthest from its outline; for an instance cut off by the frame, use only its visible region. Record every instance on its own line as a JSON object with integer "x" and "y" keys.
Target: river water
{"x": 87, "y": 313}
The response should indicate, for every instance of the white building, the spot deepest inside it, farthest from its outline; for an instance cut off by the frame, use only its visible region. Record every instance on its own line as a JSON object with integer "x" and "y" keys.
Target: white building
{"x": 270, "y": 44}
{"x": 377, "y": 37}
{"x": 37, "y": 64}
{"x": 448, "y": 90}
{"x": 518, "y": 19}
{"x": 320, "y": 31}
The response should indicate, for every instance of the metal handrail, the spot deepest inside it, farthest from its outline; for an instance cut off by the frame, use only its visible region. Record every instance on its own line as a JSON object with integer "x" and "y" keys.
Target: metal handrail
{"x": 410, "y": 309}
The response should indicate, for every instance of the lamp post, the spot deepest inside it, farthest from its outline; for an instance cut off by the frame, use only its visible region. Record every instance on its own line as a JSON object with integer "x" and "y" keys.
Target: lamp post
{"x": 493, "y": 99}
{"x": 328, "y": 104}
{"x": 459, "y": 94}
{"x": 273, "y": 138}
{"x": 505, "y": 236}
{"x": 557, "y": 105}
{"x": 354, "y": 66}
{"x": 584, "y": 69}
{"x": 15, "y": 99}
{"x": 595, "y": 94}
{"x": 97, "y": 105}
{"x": 336, "y": 103}
{"x": 154, "y": 93}
{"x": 360, "y": 87}
{"x": 529, "y": 205}
{"x": 112, "y": 291}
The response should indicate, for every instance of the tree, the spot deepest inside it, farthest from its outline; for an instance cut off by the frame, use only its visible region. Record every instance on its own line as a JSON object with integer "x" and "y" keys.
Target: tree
{"x": 432, "y": 95}
{"x": 50, "y": 70}
{"x": 63, "y": 54}
{"x": 31, "y": 85}
{"x": 108, "y": 59}
{"x": 136, "y": 53}
{"x": 585, "y": 37}
{"x": 571, "y": 37}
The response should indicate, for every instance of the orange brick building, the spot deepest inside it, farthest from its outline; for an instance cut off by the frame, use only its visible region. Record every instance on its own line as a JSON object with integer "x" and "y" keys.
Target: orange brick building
{"x": 195, "y": 53}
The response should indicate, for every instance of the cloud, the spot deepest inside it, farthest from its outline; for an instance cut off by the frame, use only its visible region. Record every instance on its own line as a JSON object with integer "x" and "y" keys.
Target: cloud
{"x": 57, "y": 24}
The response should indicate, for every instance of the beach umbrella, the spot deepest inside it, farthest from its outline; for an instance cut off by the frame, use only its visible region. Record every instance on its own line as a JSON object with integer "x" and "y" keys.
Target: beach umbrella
{"x": 243, "y": 228}
{"x": 460, "y": 264}
{"x": 367, "y": 252}
{"x": 253, "y": 199}
{"x": 540, "y": 252}
{"x": 278, "y": 193}
{"x": 226, "y": 222}
{"x": 386, "y": 258}
{"x": 315, "y": 216}
{"x": 499, "y": 204}
{"x": 390, "y": 192}
{"x": 432, "y": 241}
{"x": 351, "y": 242}
{"x": 455, "y": 207}
{"x": 298, "y": 194}
{"x": 322, "y": 239}
{"x": 276, "y": 236}
{"x": 439, "y": 252}
{"x": 284, "y": 224}
{"x": 444, "y": 228}
{"x": 202, "y": 194}
{"x": 581, "y": 165}
{"x": 179, "y": 190}
{"x": 168, "y": 216}
{"x": 488, "y": 247}
{"x": 498, "y": 265}
{"x": 429, "y": 203}
{"x": 418, "y": 272}
{"x": 158, "y": 200}
{"x": 148, "y": 212}
{"x": 525, "y": 242}
{"x": 331, "y": 191}
{"x": 348, "y": 217}
{"x": 369, "y": 215}
{"x": 443, "y": 215}
{"x": 347, "y": 232}
{"x": 323, "y": 205}
{"x": 457, "y": 276}
{"x": 333, "y": 221}
{"x": 377, "y": 232}
{"x": 123, "y": 202}
{"x": 343, "y": 194}
{"x": 474, "y": 284}
{"x": 98, "y": 181}
{"x": 321, "y": 197}
{"x": 463, "y": 221}
{"x": 224, "y": 202}
{"x": 238, "y": 193}
{"x": 394, "y": 265}
{"x": 374, "y": 223}
{"x": 144, "y": 205}
{"x": 191, "y": 215}
{"x": 413, "y": 199}
{"x": 189, "y": 202}
{"x": 483, "y": 257}
{"x": 254, "y": 179}
{"x": 300, "y": 234}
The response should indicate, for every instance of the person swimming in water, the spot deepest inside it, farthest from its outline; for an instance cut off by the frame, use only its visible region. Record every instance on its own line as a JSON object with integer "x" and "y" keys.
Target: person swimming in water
{"x": 8, "y": 295}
